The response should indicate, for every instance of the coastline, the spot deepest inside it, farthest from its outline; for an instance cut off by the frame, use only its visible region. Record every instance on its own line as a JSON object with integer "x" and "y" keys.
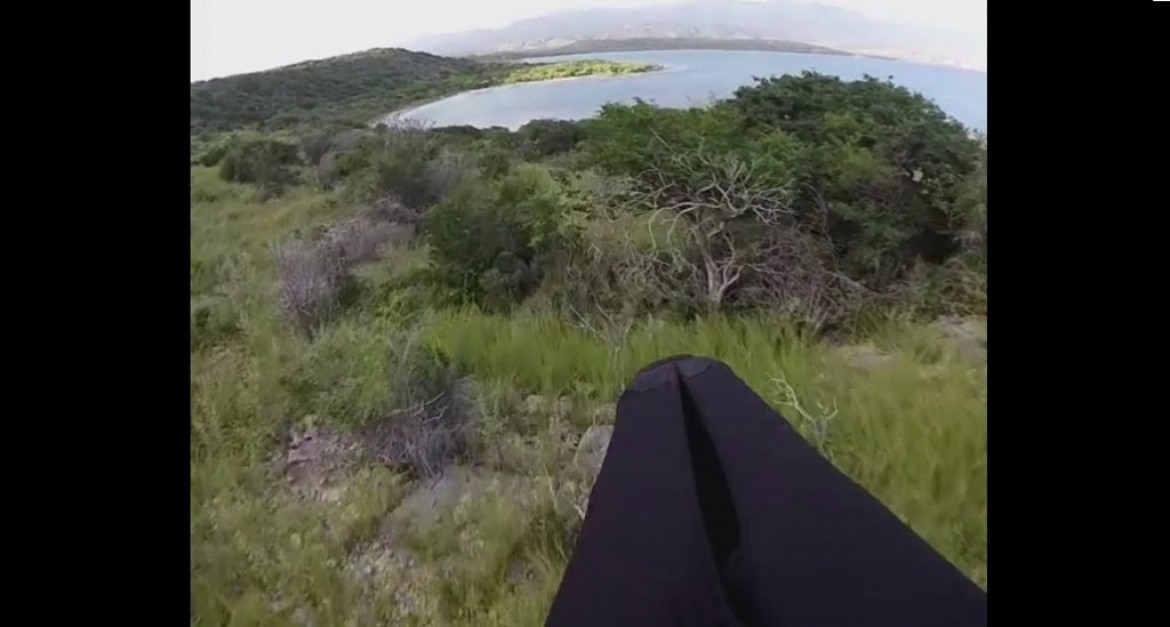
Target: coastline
{"x": 587, "y": 47}
{"x": 544, "y": 58}
{"x": 396, "y": 113}
{"x": 418, "y": 104}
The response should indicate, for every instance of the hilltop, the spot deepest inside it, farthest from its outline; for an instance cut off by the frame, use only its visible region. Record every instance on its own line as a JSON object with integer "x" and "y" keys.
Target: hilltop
{"x": 351, "y": 90}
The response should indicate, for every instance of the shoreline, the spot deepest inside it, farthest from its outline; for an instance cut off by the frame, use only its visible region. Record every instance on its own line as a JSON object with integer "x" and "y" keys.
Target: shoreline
{"x": 400, "y": 111}
{"x": 852, "y": 54}
{"x": 540, "y": 57}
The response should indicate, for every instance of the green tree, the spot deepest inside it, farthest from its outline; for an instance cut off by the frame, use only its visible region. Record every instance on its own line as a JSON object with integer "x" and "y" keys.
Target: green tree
{"x": 544, "y": 138}
{"x": 491, "y": 238}
{"x": 885, "y": 164}
{"x": 261, "y": 161}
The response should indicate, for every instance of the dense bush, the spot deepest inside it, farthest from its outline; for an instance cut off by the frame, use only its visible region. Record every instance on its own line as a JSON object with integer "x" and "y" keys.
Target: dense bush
{"x": 411, "y": 163}
{"x": 450, "y": 170}
{"x": 212, "y": 321}
{"x": 491, "y": 238}
{"x": 887, "y": 164}
{"x": 316, "y": 147}
{"x": 406, "y": 400}
{"x": 874, "y": 170}
{"x": 261, "y": 161}
{"x": 544, "y": 138}
{"x": 805, "y": 195}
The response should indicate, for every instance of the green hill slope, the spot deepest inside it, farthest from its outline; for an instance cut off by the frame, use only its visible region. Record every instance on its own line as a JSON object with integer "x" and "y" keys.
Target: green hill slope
{"x": 353, "y": 89}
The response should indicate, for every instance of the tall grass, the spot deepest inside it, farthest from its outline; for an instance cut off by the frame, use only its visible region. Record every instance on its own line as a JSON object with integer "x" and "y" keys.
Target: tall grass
{"x": 912, "y": 431}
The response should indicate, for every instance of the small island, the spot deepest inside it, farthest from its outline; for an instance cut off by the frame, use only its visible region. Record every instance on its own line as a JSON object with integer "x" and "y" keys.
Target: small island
{"x": 575, "y": 69}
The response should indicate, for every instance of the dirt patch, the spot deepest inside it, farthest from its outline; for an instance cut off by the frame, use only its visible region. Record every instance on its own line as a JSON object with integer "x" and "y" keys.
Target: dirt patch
{"x": 315, "y": 456}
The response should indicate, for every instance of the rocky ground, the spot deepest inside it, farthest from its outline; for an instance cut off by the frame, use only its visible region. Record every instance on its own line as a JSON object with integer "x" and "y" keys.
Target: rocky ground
{"x": 427, "y": 525}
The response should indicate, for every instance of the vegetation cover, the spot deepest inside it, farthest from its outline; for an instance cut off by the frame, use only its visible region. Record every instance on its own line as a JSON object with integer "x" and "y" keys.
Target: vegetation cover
{"x": 351, "y": 90}
{"x": 405, "y": 340}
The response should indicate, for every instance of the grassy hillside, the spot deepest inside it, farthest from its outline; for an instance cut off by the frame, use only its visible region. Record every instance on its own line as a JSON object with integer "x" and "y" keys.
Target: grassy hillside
{"x": 369, "y": 307}
{"x": 353, "y": 89}
{"x": 590, "y": 46}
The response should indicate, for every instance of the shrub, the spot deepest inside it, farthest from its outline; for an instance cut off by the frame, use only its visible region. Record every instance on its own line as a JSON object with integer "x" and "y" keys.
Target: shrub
{"x": 316, "y": 147}
{"x": 461, "y": 133}
{"x": 401, "y": 165}
{"x": 968, "y": 213}
{"x": 213, "y": 155}
{"x": 314, "y": 281}
{"x": 490, "y": 238}
{"x": 544, "y": 138}
{"x": 264, "y": 162}
{"x": 886, "y": 163}
{"x": 450, "y": 170}
{"x": 627, "y": 140}
{"x": 391, "y": 210}
{"x": 388, "y": 386}
{"x": 360, "y": 240}
{"x": 604, "y": 278}
{"x": 427, "y": 429}
{"x": 212, "y": 321}
{"x": 880, "y": 172}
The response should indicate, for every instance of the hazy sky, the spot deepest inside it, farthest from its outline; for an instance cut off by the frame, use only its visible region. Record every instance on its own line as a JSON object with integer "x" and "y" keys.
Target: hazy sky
{"x": 233, "y": 36}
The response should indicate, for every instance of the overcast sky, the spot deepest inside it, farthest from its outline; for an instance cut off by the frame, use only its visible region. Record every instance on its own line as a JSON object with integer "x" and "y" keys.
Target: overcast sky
{"x": 234, "y": 36}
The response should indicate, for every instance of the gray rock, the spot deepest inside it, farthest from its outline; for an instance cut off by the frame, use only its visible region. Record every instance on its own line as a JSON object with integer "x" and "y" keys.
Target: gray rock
{"x": 314, "y": 456}
{"x": 436, "y": 498}
{"x": 604, "y": 414}
{"x": 969, "y": 334}
{"x": 329, "y": 170}
{"x": 591, "y": 450}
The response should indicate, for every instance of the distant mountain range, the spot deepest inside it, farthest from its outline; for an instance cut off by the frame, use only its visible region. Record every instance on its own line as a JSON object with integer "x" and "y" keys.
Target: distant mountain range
{"x": 776, "y": 21}
{"x": 593, "y": 46}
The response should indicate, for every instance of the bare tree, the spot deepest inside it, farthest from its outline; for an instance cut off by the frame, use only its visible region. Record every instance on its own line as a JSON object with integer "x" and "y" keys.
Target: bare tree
{"x": 312, "y": 279}
{"x": 714, "y": 206}
{"x": 427, "y": 429}
{"x": 314, "y": 272}
{"x": 723, "y": 229}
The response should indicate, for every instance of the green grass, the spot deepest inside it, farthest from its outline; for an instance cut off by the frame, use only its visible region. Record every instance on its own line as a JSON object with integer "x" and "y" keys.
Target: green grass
{"x": 261, "y": 556}
{"x": 919, "y": 448}
{"x": 914, "y": 431}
